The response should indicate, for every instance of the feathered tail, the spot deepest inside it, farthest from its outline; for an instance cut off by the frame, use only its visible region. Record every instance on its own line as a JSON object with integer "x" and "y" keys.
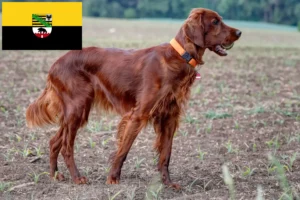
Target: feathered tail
{"x": 47, "y": 109}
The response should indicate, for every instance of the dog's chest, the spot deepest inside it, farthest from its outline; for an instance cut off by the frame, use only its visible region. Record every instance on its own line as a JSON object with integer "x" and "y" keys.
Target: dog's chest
{"x": 182, "y": 92}
{"x": 175, "y": 100}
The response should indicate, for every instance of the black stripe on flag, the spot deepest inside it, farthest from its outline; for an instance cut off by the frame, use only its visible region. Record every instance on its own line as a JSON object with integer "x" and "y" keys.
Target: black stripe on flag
{"x": 23, "y": 38}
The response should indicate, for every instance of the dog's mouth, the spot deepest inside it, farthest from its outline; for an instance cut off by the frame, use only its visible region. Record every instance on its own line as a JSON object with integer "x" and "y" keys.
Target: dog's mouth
{"x": 221, "y": 49}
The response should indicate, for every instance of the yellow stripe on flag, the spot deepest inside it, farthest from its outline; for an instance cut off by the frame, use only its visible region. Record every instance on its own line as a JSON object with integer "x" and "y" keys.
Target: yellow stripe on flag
{"x": 20, "y": 13}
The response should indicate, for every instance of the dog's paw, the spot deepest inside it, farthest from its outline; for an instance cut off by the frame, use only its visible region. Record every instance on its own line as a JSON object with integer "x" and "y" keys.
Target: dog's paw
{"x": 172, "y": 185}
{"x": 110, "y": 180}
{"x": 80, "y": 180}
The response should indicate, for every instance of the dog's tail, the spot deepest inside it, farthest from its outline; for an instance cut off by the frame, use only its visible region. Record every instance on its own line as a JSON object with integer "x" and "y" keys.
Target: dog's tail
{"x": 46, "y": 109}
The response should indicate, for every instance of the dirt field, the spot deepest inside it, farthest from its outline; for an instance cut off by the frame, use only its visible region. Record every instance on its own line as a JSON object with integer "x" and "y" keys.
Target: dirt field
{"x": 246, "y": 106}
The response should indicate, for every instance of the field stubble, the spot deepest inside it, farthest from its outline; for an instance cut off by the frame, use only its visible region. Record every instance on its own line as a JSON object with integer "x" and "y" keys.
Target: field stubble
{"x": 246, "y": 107}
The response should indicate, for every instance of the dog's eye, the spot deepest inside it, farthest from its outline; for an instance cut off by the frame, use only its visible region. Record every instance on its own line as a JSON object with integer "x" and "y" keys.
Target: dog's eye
{"x": 216, "y": 22}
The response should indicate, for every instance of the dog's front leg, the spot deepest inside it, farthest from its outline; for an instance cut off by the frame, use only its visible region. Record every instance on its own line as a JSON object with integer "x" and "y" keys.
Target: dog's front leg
{"x": 165, "y": 128}
{"x": 129, "y": 128}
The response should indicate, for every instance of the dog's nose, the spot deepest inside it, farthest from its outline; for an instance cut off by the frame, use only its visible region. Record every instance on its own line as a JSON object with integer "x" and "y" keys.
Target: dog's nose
{"x": 238, "y": 33}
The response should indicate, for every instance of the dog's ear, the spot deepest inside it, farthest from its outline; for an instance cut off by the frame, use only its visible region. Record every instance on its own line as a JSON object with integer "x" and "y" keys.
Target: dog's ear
{"x": 194, "y": 28}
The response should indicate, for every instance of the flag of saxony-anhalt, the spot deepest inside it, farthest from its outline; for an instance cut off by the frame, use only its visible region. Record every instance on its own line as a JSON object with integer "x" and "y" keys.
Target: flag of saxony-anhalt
{"x": 41, "y": 25}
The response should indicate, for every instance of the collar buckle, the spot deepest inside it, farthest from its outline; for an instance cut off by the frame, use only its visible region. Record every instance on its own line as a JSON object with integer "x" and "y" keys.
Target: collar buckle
{"x": 183, "y": 53}
{"x": 187, "y": 56}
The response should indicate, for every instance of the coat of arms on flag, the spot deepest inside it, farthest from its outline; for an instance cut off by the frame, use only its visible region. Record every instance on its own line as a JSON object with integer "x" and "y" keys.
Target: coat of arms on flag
{"x": 42, "y": 25}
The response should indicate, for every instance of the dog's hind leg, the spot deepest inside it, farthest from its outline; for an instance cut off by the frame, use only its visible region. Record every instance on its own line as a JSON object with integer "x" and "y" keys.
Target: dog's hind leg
{"x": 55, "y": 146}
{"x": 71, "y": 125}
{"x": 67, "y": 151}
{"x": 76, "y": 116}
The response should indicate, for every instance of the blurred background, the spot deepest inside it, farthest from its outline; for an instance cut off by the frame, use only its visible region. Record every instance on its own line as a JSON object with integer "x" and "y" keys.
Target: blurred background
{"x": 273, "y": 11}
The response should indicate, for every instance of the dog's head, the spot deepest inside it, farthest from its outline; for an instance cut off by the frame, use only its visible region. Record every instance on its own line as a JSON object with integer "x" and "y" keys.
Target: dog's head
{"x": 206, "y": 29}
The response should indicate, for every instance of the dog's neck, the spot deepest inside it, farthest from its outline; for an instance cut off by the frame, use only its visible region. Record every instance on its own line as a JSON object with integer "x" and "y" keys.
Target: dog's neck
{"x": 195, "y": 51}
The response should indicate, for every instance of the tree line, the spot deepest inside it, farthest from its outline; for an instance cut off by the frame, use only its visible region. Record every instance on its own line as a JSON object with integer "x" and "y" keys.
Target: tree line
{"x": 274, "y": 11}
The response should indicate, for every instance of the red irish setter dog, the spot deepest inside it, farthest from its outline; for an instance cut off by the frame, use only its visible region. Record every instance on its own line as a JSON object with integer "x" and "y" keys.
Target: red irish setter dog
{"x": 143, "y": 86}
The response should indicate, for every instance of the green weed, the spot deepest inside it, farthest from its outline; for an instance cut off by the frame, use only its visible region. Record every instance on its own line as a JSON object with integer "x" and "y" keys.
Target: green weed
{"x": 287, "y": 113}
{"x": 248, "y": 172}
{"x": 138, "y": 162}
{"x": 291, "y": 160}
{"x": 26, "y": 151}
{"x": 191, "y": 185}
{"x": 9, "y": 155}
{"x": 155, "y": 160}
{"x": 228, "y": 145}
{"x": 197, "y": 129}
{"x": 201, "y": 154}
{"x": 209, "y": 128}
{"x": 221, "y": 86}
{"x": 214, "y": 115}
{"x": 289, "y": 139}
{"x": 283, "y": 182}
{"x": 18, "y": 138}
{"x": 109, "y": 127}
{"x": 257, "y": 110}
{"x": 95, "y": 126}
{"x": 92, "y": 143}
{"x": 4, "y": 186}
{"x": 184, "y": 133}
{"x": 154, "y": 194}
{"x": 36, "y": 177}
{"x": 197, "y": 89}
{"x": 104, "y": 142}
{"x": 130, "y": 194}
{"x": 32, "y": 136}
{"x": 5, "y": 112}
{"x": 236, "y": 125}
{"x": 254, "y": 147}
{"x": 38, "y": 151}
{"x": 107, "y": 169}
{"x": 274, "y": 143}
{"x": 189, "y": 119}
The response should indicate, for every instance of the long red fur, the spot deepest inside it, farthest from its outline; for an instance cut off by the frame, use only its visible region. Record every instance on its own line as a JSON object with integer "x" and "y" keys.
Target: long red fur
{"x": 147, "y": 85}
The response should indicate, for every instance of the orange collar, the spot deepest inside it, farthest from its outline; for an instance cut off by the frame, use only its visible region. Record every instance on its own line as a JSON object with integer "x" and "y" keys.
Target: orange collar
{"x": 184, "y": 54}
